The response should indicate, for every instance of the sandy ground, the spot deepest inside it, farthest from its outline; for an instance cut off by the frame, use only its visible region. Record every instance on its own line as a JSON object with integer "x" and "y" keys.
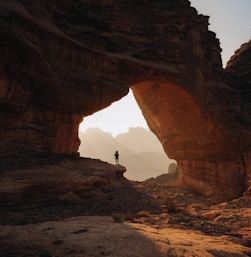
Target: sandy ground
{"x": 101, "y": 236}
{"x": 129, "y": 219}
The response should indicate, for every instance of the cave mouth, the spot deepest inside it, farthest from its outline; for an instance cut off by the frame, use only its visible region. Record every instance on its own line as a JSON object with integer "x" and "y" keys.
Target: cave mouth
{"x": 122, "y": 127}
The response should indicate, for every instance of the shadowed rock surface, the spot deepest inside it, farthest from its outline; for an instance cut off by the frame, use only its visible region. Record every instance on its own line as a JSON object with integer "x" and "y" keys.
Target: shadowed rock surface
{"x": 64, "y": 60}
{"x": 87, "y": 208}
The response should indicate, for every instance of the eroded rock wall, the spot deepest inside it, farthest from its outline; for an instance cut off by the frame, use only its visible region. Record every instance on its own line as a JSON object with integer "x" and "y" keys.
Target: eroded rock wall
{"x": 64, "y": 60}
{"x": 238, "y": 76}
{"x": 207, "y": 154}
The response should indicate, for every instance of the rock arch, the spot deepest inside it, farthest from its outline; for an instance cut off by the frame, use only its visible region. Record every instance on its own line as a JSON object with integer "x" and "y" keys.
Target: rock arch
{"x": 206, "y": 153}
{"x": 63, "y": 60}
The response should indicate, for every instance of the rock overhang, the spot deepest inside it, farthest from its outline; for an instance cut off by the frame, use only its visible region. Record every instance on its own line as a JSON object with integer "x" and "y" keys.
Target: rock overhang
{"x": 64, "y": 61}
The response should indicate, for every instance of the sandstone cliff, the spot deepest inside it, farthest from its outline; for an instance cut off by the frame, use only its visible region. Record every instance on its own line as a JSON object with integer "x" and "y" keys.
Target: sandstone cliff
{"x": 64, "y": 60}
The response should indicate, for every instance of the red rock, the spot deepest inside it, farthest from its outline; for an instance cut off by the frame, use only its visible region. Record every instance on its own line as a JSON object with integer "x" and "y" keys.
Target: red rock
{"x": 62, "y": 61}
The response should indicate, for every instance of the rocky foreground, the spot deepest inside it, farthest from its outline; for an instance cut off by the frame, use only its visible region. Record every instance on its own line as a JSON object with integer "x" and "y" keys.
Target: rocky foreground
{"x": 86, "y": 208}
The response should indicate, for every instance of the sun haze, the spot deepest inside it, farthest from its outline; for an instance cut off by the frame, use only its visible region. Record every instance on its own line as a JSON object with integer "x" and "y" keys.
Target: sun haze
{"x": 117, "y": 118}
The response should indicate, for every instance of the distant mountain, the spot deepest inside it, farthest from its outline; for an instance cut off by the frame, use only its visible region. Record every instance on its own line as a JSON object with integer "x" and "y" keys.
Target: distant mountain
{"x": 98, "y": 144}
{"x": 140, "y": 140}
{"x": 140, "y": 151}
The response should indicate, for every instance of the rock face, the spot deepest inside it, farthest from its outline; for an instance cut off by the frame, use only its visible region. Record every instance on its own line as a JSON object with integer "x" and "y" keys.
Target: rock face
{"x": 64, "y": 60}
{"x": 67, "y": 181}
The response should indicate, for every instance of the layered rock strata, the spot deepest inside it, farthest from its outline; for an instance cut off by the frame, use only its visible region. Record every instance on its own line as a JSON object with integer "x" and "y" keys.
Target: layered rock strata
{"x": 64, "y": 60}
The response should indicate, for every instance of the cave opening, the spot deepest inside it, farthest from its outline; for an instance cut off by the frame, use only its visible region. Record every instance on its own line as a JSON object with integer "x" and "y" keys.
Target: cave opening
{"x": 122, "y": 127}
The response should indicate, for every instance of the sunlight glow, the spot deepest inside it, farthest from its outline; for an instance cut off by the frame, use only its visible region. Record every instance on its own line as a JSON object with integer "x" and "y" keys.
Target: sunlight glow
{"x": 117, "y": 118}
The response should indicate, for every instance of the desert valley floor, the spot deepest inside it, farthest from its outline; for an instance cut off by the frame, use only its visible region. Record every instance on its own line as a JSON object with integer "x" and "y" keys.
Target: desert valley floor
{"x": 71, "y": 210}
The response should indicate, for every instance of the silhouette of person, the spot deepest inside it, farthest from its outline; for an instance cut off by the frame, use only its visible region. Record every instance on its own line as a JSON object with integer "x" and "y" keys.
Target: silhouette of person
{"x": 116, "y": 155}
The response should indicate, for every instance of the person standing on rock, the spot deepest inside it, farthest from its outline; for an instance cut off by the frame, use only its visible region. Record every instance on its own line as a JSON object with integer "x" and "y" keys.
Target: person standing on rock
{"x": 116, "y": 155}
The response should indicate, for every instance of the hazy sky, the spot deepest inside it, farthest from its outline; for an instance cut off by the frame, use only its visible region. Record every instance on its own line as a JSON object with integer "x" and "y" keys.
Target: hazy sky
{"x": 229, "y": 19}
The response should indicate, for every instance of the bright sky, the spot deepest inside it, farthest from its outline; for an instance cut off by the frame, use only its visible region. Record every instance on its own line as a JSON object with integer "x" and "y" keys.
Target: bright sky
{"x": 116, "y": 118}
{"x": 229, "y": 19}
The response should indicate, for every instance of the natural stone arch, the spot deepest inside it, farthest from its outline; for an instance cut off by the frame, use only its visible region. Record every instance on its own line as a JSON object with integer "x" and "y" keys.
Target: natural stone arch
{"x": 205, "y": 151}
{"x": 63, "y": 60}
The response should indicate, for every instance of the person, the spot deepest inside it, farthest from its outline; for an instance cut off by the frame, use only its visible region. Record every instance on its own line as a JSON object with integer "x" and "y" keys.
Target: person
{"x": 116, "y": 155}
